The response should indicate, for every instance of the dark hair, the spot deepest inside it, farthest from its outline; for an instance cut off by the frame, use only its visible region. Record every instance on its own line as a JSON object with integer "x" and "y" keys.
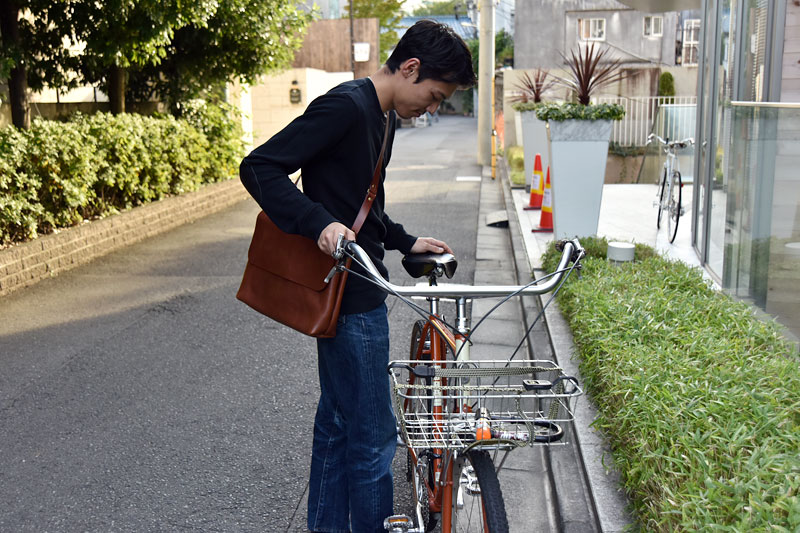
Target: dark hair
{"x": 442, "y": 54}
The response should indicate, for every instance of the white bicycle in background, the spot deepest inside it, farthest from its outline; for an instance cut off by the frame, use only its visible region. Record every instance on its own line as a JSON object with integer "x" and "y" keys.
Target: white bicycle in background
{"x": 670, "y": 185}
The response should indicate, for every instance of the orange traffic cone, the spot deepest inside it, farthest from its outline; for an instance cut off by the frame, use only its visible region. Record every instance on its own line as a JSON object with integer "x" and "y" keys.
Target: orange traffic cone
{"x": 546, "y": 220}
{"x": 537, "y": 185}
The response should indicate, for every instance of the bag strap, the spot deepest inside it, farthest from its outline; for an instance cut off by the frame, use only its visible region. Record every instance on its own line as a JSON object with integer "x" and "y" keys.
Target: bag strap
{"x": 372, "y": 192}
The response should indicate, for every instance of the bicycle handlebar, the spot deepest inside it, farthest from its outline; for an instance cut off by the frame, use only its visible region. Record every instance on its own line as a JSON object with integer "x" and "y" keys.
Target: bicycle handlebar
{"x": 671, "y": 144}
{"x": 571, "y": 252}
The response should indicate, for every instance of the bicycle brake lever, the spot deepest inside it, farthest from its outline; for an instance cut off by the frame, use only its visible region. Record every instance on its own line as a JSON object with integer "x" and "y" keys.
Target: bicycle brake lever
{"x": 338, "y": 253}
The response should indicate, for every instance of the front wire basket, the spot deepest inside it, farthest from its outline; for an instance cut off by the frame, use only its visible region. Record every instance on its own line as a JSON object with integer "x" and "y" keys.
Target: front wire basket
{"x": 487, "y": 404}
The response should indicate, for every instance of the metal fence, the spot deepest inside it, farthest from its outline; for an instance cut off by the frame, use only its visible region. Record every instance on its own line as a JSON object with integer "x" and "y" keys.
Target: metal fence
{"x": 641, "y": 113}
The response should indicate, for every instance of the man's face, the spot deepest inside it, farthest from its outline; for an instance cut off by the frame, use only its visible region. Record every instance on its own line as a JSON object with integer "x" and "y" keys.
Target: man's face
{"x": 413, "y": 99}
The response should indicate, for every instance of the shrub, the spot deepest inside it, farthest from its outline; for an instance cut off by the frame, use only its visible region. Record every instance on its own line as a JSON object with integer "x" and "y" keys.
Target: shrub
{"x": 666, "y": 84}
{"x": 699, "y": 398}
{"x": 516, "y": 158}
{"x": 61, "y": 158}
{"x": 60, "y": 173}
{"x": 20, "y": 209}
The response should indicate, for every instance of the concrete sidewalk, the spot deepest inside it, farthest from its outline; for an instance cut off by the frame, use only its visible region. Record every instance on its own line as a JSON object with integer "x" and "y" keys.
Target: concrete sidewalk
{"x": 570, "y": 485}
{"x": 627, "y": 214}
{"x": 556, "y": 488}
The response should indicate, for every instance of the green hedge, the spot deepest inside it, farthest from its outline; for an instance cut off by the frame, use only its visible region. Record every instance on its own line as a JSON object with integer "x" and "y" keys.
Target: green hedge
{"x": 699, "y": 398}
{"x": 558, "y": 112}
{"x": 58, "y": 174}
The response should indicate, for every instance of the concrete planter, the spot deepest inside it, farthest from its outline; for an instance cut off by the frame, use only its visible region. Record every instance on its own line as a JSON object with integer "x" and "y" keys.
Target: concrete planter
{"x": 518, "y": 128}
{"x": 534, "y": 141}
{"x": 578, "y": 153}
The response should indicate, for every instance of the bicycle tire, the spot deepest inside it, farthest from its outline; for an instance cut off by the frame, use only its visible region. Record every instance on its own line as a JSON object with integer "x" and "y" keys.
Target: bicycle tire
{"x": 674, "y": 212}
{"x": 420, "y": 485}
{"x": 661, "y": 198}
{"x": 478, "y": 505}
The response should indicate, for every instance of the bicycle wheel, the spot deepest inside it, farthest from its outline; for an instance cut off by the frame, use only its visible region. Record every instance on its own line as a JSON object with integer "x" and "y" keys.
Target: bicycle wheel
{"x": 419, "y": 473}
{"x": 477, "y": 501}
{"x": 674, "y": 212}
{"x": 661, "y": 198}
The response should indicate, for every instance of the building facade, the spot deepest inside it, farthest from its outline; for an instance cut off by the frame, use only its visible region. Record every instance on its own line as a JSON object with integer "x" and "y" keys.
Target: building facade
{"x": 545, "y": 30}
{"x": 746, "y": 212}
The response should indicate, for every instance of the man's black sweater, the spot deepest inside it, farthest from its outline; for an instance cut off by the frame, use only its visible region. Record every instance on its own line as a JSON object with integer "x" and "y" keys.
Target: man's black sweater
{"x": 336, "y": 144}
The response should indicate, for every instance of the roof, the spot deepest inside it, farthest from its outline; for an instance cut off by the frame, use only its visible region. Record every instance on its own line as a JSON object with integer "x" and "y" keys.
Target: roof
{"x": 462, "y": 25}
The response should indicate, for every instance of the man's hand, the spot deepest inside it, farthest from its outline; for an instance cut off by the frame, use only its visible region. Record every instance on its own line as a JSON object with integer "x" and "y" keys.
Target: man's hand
{"x": 429, "y": 244}
{"x": 330, "y": 235}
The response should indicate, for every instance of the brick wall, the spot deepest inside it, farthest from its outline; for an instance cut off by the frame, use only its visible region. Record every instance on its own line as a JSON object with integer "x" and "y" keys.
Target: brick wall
{"x": 25, "y": 264}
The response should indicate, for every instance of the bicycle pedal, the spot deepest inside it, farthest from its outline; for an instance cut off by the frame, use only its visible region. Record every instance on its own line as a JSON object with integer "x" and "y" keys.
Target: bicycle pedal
{"x": 399, "y": 523}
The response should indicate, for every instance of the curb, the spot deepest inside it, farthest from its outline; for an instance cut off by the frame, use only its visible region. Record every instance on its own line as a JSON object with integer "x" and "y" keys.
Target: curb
{"x": 47, "y": 256}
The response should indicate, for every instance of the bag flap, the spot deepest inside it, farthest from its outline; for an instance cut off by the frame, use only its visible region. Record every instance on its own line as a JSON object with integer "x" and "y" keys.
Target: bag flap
{"x": 292, "y": 257}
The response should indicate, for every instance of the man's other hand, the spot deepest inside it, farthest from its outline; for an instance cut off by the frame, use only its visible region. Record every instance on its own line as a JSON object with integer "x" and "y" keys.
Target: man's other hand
{"x": 429, "y": 244}
{"x": 330, "y": 235}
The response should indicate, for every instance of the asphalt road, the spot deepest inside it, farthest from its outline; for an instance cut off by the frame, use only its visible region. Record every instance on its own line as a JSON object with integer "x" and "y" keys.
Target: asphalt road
{"x": 137, "y": 394}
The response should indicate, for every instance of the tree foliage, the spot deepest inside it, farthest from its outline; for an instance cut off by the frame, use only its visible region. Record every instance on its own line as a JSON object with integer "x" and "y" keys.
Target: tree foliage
{"x": 121, "y": 34}
{"x": 445, "y": 7}
{"x": 169, "y": 49}
{"x": 241, "y": 40}
{"x": 33, "y": 55}
{"x": 503, "y": 50}
{"x": 388, "y": 13}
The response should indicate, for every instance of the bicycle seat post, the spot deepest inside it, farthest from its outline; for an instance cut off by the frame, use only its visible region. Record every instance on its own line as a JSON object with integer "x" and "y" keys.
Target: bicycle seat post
{"x": 434, "y": 301}
{"x": 462, "y": 320}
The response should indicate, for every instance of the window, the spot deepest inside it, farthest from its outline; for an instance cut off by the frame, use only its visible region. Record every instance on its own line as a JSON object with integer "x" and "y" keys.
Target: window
{"x": 691, "y": 41}
{"x": 653, "y": 26}
{"x": 592, "y": 29}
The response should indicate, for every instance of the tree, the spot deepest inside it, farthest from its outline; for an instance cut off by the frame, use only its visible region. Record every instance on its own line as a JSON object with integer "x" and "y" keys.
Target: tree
{"x": 33, "y": 55}
{"x": 445, "y": 7}
{"x": 388, "y": 13}
{"x": 666, "y": 86}
{"x": 242, "y": 40}
{"x": 503, "y": 49}
{"x": 120, "y": 34}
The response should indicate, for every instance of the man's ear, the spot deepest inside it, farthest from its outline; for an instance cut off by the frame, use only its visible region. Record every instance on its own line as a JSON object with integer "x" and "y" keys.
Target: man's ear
{"x": 409, "y": 67}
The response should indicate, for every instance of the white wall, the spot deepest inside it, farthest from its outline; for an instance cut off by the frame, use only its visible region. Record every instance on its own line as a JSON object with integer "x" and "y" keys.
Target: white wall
{"x": 271, "y": 108}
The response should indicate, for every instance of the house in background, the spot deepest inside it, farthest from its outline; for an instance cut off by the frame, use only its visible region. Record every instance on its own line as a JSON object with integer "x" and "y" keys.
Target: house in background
{"x": 645, "y": 42}
{"x": 323, "y": 62}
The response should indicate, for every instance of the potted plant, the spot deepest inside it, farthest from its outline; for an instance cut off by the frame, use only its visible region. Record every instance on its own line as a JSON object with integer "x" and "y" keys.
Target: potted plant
{"x": 579, "y": 134}
{"x": 533, "y": 131}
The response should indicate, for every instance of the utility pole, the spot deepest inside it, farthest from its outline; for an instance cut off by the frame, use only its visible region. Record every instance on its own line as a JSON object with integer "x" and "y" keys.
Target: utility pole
{"x": 352, "y": 41}
{"x": 485, "y": 81}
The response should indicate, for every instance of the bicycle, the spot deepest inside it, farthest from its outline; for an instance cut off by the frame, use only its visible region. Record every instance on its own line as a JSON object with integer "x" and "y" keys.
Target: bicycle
{"x": 452, "y": 412}
{"x": 671, "y": 201}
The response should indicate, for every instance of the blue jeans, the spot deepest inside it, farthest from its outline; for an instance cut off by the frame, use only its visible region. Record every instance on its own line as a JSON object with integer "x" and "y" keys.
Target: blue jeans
{"x": 350, "y": 488}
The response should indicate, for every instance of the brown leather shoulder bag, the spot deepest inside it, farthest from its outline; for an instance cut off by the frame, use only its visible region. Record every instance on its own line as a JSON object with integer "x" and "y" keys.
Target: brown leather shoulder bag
{"x": 285, "y": 274}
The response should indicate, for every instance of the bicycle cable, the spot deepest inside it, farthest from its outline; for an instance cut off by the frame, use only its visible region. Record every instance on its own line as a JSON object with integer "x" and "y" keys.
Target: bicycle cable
{"x": 426, "y": 314}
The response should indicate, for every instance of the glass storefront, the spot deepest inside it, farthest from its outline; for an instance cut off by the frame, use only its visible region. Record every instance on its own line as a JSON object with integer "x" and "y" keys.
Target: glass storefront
{"x": 762, "y": 254}
{"x": 746, "y": 226}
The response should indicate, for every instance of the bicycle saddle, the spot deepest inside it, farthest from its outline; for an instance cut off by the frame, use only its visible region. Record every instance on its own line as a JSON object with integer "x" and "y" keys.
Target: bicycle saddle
{"x": 418, "y": 265}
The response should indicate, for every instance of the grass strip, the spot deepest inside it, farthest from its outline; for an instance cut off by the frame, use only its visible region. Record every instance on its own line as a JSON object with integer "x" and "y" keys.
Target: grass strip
{"x": 699, "y": 398}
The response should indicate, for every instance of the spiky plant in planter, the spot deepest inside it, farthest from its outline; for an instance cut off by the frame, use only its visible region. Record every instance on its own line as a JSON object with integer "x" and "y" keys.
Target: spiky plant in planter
{"x": 532, "y": 89}
{"x": 531, "y": 131}
{"x": 579, "y": 134}
{"x": 591, "y": 70}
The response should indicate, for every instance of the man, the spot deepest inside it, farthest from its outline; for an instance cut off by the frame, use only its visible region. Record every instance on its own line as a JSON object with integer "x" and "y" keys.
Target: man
{"x": 336, "y": 143}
